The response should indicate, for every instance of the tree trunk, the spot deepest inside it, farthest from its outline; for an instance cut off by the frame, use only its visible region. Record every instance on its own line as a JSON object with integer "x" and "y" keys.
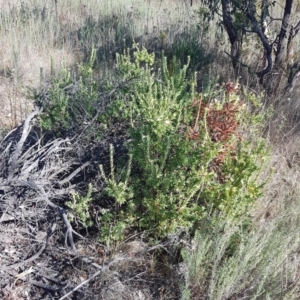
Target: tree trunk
{"x": 234, "y": 35}
{"x": 285, "y": 38}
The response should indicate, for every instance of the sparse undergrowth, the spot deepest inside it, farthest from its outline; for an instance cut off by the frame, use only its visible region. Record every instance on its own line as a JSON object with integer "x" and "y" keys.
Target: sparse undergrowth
{"x": 125, "y": 150}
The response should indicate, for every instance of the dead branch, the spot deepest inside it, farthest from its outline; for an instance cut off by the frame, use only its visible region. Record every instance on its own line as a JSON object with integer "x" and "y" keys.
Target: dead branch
{"x": 32, "y": 258}
{"x": 43, "y": 285}
{"x": 103, "y": 269}
{"x": 80, "y": 285}
{"x": 36, "y": 283}
{"x": 73, "y": 174}
{"x": 17, "y": 152}
{"x": 62, "y": 212}
{"x": 29, "y": 171}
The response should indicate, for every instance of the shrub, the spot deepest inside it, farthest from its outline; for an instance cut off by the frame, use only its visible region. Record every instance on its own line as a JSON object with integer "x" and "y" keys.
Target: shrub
{"x": 80, "y": 206}
{"x": 70, "y": 100}
{"x": 192, "y": 154}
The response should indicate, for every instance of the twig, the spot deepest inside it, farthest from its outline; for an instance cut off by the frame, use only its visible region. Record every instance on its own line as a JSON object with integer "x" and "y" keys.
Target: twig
{"x": 19, "y": 276}
{"x": 70, "y": 230}
{"x": 80, "y": 285}
{"x": 43, "y": 285}
{"x": 36, "y": 283}
{"x": 238, "y": 61}
{"x": 103, "y": 269}
{"x": 62, "y": 212}
{"x": 73, "y": 174}
{"x": 17, "y": 152}
{"x": 32, "y": 258}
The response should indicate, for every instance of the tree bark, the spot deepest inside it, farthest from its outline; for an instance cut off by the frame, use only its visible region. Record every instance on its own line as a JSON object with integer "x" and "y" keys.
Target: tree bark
{"x": 264, "y": 40}
{"x": 234, "y": 35}
{"x": 285, "y": 37}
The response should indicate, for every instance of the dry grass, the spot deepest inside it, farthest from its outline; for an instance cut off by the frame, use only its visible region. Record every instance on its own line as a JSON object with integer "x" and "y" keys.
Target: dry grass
{"x": 37, "y": 36}
{"x": 282, "y": 189}
{"x": 227, "y": 263}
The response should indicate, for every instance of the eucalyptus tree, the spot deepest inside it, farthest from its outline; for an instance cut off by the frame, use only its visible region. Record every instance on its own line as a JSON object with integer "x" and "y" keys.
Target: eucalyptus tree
{"x": 241, "y": 18}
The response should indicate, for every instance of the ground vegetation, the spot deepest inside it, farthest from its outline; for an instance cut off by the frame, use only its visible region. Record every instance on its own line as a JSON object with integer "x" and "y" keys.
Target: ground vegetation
{"x": 139, "y": 159}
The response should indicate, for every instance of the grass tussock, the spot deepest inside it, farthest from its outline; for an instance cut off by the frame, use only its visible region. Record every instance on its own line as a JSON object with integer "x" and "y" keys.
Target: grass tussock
{"x": 230, "y": 262}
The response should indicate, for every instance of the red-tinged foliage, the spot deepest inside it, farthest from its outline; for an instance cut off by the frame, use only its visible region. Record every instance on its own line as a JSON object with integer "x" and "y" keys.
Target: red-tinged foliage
{"x": 230, "y": 88}
{"x": 221, "y": 123}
